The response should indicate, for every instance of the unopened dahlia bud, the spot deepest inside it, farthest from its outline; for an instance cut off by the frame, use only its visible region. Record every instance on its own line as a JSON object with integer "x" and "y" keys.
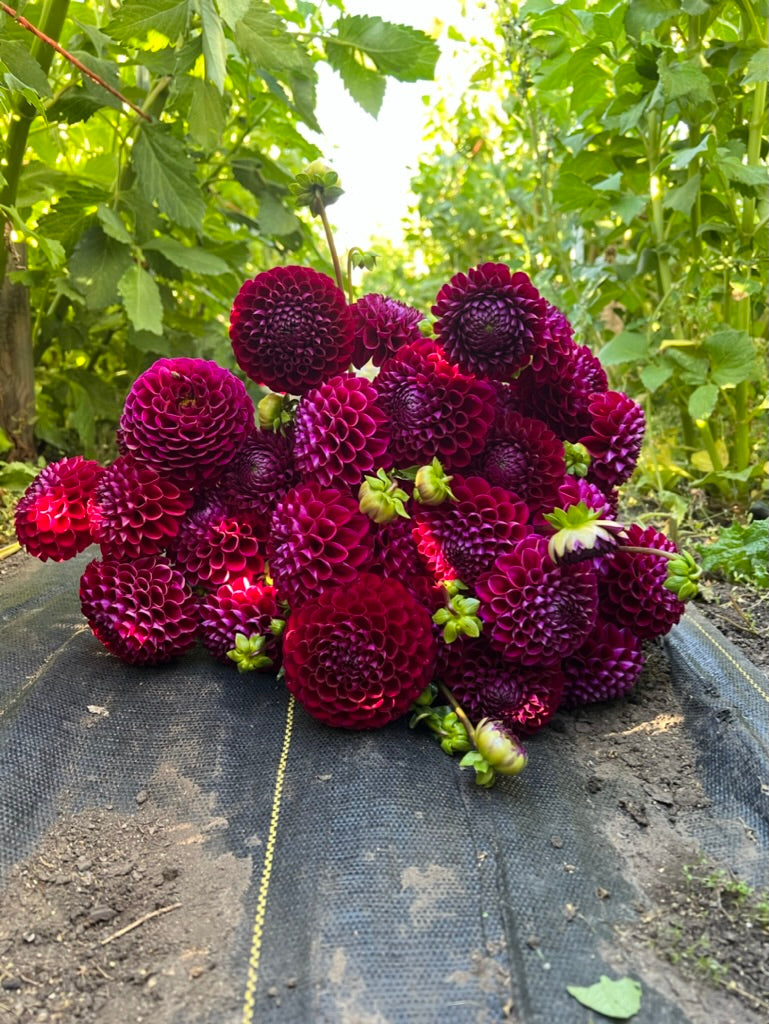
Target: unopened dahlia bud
{"x": 270, "y": 409}
{"x": 247, "y": 652}
{"x": 431, "y": 484}
{"x": 580, "y": 533}
{"x": 459, "y": 618}
{"x": 500, "y": 747}
{"x": 381, "y": 499}
{"x": 485, "y": 775}
{"x": 577, "y": 459}
{"x": 683, "y": 574}
{"x": 317, "y": 186}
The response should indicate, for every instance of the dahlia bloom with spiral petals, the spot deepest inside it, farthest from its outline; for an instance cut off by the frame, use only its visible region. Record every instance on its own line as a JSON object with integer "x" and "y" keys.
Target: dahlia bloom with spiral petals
{"x": 143, "y": 611}
{"x": 216, "y": 544}
{"x": 261, "y": 472}
{"x": 51, "y": 517}
{"x": 239, "y": 606}
{"x": 356, "y": 656}
{"x": 523, "y": 455}
{"x": 291, "y": 329}
{"x": 605, "y": 667}
{"x": 382, "y": 326}
{"x": 615, "y": 438}
{"x": 396, "y": 555}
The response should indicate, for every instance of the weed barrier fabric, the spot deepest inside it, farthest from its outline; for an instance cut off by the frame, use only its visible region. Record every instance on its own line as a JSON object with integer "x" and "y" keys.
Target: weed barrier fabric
{"x": 384, "y": 885}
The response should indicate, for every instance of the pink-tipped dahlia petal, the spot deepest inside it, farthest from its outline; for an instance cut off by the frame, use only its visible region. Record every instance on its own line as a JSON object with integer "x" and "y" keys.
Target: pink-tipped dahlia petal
{"x": 434, "y": 409}
{"x": 525, "y": 456}
{"x": 239, "y": 606}
{"x": 461, "y": 539}
{"x": 356, "y": 656}
{"x": 217, "y": 543}
{"x": 615, "y": 438}
{"x": 396, "y": 555}
{"x": 487, "y": 685}
{"x": 186, "y": 418}
{"x": 319, "y": 539}
{"x": 51, "y": 517}
{"x": 382, "y": 326}
{"x": 291, "y": 329}
{"x": 261, "y": 472}
{"x": 605, "y": 667}
{"x": 632, "y": 585}
{"x": 536, "y": 611}
{"x": 559, "y": 338}
{"x": 143, "y": 611}
{"x": 490, "y": 320}
{"x": 574, "y": 489}
{"x": 134, "y": 511}
{"x": 340, "y": 432}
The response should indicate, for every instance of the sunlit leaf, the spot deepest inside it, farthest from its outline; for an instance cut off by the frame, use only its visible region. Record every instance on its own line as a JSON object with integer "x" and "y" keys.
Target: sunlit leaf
{"x": 398, "y": 50}
{"x": 626, "y": 347}
{"x": 167, "y": 174}
{"x": 214, "y": 44}
{"x": 141, "y": 299}
{"x": 702, "y": 401}
{"x": 619, "y": 998}
{"x": 732, "y": 357}
{"x": 194, "y": 259}
{"x": 135, "y": 18}
{"x": 24, "y": 67}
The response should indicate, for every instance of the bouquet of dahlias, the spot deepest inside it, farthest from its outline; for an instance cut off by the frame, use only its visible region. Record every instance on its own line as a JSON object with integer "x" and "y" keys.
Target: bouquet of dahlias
{"x": 410, "y": 520}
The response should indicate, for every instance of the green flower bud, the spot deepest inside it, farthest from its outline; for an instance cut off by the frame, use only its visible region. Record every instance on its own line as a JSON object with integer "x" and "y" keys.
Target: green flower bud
{"x": 459, "y": 618}
{"x": 577, "y": 459}
{"x": 580, "y": 533}
{"x": 317, "y": 187}
{"x": 269, "y": 410}
{"x": 247, "y": 652}
{"x": 683, "y": 575}
{"x": 500, "y": 747}
{"x": 381, "y": 499}
{"x": 431, "y": 485}
{"x": 485, "y": 775}
{"x": 427, "y": 696}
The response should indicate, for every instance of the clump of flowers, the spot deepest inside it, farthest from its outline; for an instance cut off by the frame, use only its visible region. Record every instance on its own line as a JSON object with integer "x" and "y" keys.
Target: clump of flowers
{"x": 403, "y": 522}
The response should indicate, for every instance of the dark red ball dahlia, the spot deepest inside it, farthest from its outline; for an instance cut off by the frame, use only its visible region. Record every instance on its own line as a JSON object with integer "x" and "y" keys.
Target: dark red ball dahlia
{"x": 382, "y": 326}
{"x": 356, "y": 656}
{"x": 537, "y": 612}
{"x": 143, "y": 611}
{"x": 319, "y": 539}
{"x": 291, "y": 329}
{"x": 396, "y": 555}
{"x": 340, "y": 432}
{"x": 186, "y": 418}
{"x": 632, "y": 585}
{"x": 490, "y": 321}
{"x": 434, "y": 409}
{"x": 217, "y": 543}
{"x": 51, "y": 517}
{"x": 134, "y": 511}
{"x": 606, "y": 666}
{"x": 615, "y": 438}
{"x": 559, "y": 338}
{"x": 523, "y": 455}
{"x": 487, "y": 685}
{"x": 261, "y": 472}
{"x": 573, "y": 490}
{"x": 239, "y": 606}
{"x": 461, "y": 539}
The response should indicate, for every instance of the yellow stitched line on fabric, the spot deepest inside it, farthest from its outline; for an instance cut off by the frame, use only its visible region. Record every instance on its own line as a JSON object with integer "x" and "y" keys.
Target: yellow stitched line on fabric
{"x": 736, "y": 664}
{"x": 264, "y": 884}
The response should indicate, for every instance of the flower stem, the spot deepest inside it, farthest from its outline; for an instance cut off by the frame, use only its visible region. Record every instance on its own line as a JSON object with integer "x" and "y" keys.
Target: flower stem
{"x": 330, "y": 243}
{"x": 458, "y": 710}
{"x": 647, "y": 551}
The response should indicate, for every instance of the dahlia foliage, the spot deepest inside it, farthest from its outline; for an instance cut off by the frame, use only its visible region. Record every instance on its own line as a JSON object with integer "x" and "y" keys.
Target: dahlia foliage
{"x": 434, "y": 534}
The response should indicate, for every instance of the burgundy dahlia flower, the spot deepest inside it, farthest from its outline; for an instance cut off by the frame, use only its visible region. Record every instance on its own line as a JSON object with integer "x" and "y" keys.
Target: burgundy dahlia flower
{"x": 632, "y": 585}
{"x": 340, "y": 432}
{"x": 51, "y": 517}
{"x": 217, "y": 543}
{"x": 434, "y": 408}
{"x": 574, "y": 490}
{"x": 396, "y": 555}
{"x": 525, "y": 456}
{"x": 356, "y": 656}
{"x": 461, "y": 539}
{"x": 490, "y": 321}
{"x": 382, "y": 326}
{"x": 319, "y": 538}
{"x": 143, "y": 611}
{"x": 186, "y": 418}
{"x": 606, "y": 666}
{"x": 291, "y": 329}
{"x": 615, "y": 438}
{"x": 488, "y": 685}
{"x": 134, "y": 511}
{"x": 261, "y": 472}
{"x": 239, "y": 606}
{"x": 537, "y": 612}
{"x": 559, "y": 338}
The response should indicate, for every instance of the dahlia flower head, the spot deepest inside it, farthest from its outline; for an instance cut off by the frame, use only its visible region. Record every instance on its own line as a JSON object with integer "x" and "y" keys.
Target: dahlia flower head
{"x": 51, "y": 517}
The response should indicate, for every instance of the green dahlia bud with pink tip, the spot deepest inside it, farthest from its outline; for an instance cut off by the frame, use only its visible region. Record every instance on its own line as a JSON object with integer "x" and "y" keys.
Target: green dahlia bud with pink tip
{"x": 431, "y": 484}
{"x": 500, "y": 747}
{"x": 381, "y": 499}
{"x": 577, "y": 459}
{"x": 581, "y": 533}
{"x": 247, "y": 652}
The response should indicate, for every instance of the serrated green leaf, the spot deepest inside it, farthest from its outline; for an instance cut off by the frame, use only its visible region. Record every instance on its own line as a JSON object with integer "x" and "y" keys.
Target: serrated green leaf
{"x": 108, "y": 70}
{"x": 274, "y": 219}
{"x": 23, "y": 66}
{"x": 620, "y": 999}
{"x": 686, "y": 80}
{"x": 167, "y": 174}
{"x": 757, "y": 69}
{"x": 683, "y": 198}
{"x": 80, "y": 415}
{"x": 401, "y": 51}
{"x": 366, "y": 86}
{"x": 645, "y": 15}
{"x": 263, "y": 37}
{"x": 627, "y": 347}
{"x": 702, "y": 401}
{"x": 683, "y": 157}
{"x": 141, "y": 298}
{"x": 196, "y": 260}
{"x": 233, "y": 10}
{"x": 112, "y": 225}
{"x": 654, "y": 376}
{"x": 214, "y": 44}
{"x": 135, "y": 18}
{"x": 740, "y": 553}
{"x": 207, "y": 116}
{"x": 745, "y": 174}
{"x": 96, "y": 265}
{"x": 732, "y": 357}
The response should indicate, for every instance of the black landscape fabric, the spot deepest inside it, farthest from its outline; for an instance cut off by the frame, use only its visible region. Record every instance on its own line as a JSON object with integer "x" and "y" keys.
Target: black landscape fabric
{"x": 354, "y": 877}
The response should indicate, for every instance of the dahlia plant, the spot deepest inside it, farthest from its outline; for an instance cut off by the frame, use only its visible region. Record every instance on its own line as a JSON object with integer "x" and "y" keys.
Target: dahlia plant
{"x": 413, "y": 518}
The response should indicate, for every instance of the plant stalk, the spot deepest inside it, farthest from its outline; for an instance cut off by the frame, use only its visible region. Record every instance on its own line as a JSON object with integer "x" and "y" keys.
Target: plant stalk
{"x": 330, "y": 244}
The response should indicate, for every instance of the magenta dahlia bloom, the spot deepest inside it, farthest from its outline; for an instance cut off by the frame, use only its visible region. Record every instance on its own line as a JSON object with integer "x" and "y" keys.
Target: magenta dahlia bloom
{"x": 396, "y": 555}
{"x": 239, "y": 606}
{"x": 261, "y": 472}
{"x": 217, "y": 543}
{"x": 490, "y": 321}
{"x": 134, "y": 511}
{"x": 356, "y": 656}
{"x": 434, "y": 409}
{"x": 461, "y": 539}
{"x": 615, "y": 438}
{"x": 487, "y": 685}
{"x": 319, "y": 539}
{"x": 186, "y": 418}
{"x": 291, "y": 329}
{"x": 143, "y": 611}
{"x": 382, "y": 326}
{"x": 632, "y": 585}
{"x": 537, "y": 612}
{"x": 51, "y": 517}
{"x": 573, "y": 490}
{"x": 340, "y": 432}
{"x": 523, "y": 455}
{"x": 559, "y": 338}
{"x": 606, "y": 666}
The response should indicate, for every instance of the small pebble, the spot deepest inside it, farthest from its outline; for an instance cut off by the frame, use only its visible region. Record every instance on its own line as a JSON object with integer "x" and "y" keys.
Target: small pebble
{"x": 141, "y": 797}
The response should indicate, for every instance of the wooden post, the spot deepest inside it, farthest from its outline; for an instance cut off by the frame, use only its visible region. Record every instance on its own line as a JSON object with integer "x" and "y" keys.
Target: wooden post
{"x": 17, "y": 367}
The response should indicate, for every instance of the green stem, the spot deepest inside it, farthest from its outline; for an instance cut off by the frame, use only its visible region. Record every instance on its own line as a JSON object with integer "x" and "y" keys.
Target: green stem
{"x": 458, "y": 710}
{"x": 710, "y": 445}
{"x": 330, "y": 244}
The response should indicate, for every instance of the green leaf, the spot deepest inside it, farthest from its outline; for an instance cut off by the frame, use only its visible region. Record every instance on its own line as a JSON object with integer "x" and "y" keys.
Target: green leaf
{"x": 141, "y": 298}
{"x": 24, "y": 67}
{"x": 214, "y": 45}
{"x": 654, "y": 376}
{"x": 732, "y": 357}
{"x": 167, "y": 174}
{"x": 274, "y": 218}
{"x": 135, "y": 18}
{"x": 207, "y": 116}
{"x": 740, "y": 553}
{"x": 233, "y": 10}
{"x": 683, "y": 198}
{"x": 683, "y": 157}
{"x": 736, "y": 170}
{"x": 262, "y": 36}
{"x": 398, "y": 50}
{"x": 620, "y": 998}
{"x": 686, "y": 80}
{"x": 645, "y": 15}
{"x": 96, "y": 265}
{"x": 196, "y": 260}
{"x": 112, "y": 225}
{"x": 366, "y": 86}
{"x": 757, "y": 69}
{"x": 702, "y": 401}
{"x": 626, "y": 347}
